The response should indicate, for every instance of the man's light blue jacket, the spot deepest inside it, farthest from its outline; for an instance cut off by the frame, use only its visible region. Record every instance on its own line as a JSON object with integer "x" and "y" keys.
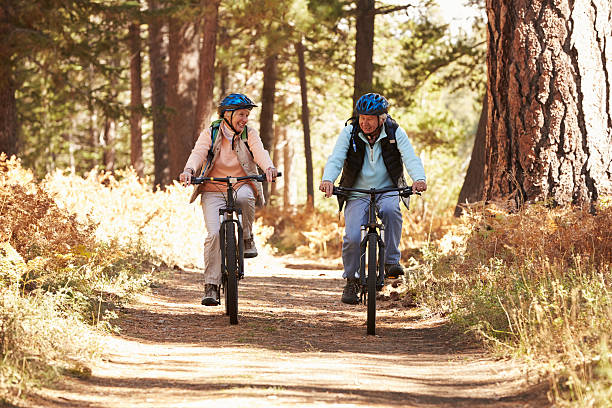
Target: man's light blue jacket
{"x": 373, "y": 172}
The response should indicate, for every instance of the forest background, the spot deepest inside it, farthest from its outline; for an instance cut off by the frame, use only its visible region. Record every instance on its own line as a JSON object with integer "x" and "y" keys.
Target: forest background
{"x": 90, "y": 89}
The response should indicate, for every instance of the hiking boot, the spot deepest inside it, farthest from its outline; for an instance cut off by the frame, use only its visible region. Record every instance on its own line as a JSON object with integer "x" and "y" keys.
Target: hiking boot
{"x": 349, "y": 294}
{"x": 393, "y": 271}
{"x": 250, "y": 251}
{"x": 211, "y": 295}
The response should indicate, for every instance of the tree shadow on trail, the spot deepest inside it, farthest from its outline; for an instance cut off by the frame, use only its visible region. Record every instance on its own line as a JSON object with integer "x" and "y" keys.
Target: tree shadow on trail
{"x": 226, "y": 388}
{"x": 291, "y": 314}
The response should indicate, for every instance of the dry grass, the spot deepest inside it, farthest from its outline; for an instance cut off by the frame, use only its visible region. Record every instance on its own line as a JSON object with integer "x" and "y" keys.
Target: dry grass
{"x": 128, "y": 212}
{"x": 534, "y": 283}
{"x": 59, "y": 284}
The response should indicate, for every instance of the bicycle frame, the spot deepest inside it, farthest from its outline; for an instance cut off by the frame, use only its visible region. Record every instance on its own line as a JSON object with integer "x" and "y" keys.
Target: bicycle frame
{"x": 226, "y": 215}
{"x": 374, "y": 279}
{"x": 232, "y": 246}
{"x": 372, "y": 227}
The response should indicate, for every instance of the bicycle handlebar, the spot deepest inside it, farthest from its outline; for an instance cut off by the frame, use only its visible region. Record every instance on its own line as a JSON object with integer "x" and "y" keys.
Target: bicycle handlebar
{"x": 404, "y": 191}
{"x": 232, "y": 180}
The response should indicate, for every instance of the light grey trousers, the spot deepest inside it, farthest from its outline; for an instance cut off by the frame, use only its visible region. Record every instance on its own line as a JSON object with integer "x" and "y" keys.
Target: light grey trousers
{"x": 211, "y": 203}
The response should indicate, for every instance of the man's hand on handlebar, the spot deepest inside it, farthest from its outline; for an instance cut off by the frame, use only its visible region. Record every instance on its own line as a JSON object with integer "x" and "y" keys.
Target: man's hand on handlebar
{"x": 419, "y": 186}
{"x": 185, "y": 177}
{"x": 327, "y": 187}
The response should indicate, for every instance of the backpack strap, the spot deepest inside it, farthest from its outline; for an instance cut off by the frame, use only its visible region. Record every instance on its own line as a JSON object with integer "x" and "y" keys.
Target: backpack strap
{"x": 390, "y": 128}
{"x": 214, "y": 130}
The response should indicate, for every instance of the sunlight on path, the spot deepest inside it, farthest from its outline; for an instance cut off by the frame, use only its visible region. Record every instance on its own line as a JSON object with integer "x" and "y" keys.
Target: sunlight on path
{"x": 291, "y": 348}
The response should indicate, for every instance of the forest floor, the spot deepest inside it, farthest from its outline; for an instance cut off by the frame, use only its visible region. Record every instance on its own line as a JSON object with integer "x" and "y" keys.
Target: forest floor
{"x": 295, "y": 345}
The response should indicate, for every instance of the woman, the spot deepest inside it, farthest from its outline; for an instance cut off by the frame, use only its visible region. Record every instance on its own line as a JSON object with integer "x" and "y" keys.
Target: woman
{"x": 227, "y": 149}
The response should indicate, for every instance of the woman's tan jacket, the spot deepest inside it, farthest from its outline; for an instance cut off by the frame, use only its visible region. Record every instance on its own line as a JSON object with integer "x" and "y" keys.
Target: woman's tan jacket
{"x": 199, "y": 156}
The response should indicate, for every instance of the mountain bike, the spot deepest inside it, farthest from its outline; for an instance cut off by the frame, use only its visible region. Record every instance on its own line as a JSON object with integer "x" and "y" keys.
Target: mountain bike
{"x": 372, "y": 277}
{"x": 231, "y": 241}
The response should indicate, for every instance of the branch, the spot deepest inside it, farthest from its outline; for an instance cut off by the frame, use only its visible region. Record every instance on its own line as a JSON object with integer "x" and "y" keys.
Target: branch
{"x": 391, "y": 9}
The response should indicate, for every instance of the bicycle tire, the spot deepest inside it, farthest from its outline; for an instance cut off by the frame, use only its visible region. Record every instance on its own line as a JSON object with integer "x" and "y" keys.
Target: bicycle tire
{"x": 231, "y": 264}
{"x": 372, "y": 278}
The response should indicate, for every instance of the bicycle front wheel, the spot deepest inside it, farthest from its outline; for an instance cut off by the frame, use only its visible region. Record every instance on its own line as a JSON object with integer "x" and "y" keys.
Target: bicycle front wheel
{"x": 231, "y": 265}
{"x": 372, "y": 277}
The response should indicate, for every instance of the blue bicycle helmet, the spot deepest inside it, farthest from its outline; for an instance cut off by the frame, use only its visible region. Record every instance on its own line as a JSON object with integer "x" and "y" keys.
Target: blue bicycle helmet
{"x": 371, "y": 104}
{"x": 235, "y": 101}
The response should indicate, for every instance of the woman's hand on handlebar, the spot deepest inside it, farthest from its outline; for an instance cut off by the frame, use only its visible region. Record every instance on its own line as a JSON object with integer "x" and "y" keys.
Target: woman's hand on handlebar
{"x": 185, "y": 177}
{"x": 327, "y": 187}
{"x": 271, "y": 174}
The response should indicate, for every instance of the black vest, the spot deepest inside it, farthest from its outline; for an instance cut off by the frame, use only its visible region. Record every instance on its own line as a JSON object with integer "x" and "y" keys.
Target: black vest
{"x": 356, "y": 155}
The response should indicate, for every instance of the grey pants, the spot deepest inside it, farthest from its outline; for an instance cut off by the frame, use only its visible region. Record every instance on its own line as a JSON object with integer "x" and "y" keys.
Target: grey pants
{"x": 211, "y": 203}
{"x": 355, "y": 215}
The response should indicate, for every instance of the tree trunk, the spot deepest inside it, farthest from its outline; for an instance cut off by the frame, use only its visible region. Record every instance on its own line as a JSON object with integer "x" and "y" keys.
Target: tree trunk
{"x": 108, "y": 155}
{"x": 287, "y": 165}
{"x": 275, "y": 154}
{"x": 266, "y": 119}
{"x": 549, "y": 132}
{"x": 8, "y": 104}
{"x": 207, "y": 65}
{"x": 182, "y": 91}
{"x": 224, "y": 83}
{"x": 95, "y": 135}
{"x": 306, "y": 125}
{"x": 473, "y": 184}
{"x": 8, "y": 115}
{"x": 364, "y": 49}
{"x": 136, "y": 100}
{"x": 157, "y": 56}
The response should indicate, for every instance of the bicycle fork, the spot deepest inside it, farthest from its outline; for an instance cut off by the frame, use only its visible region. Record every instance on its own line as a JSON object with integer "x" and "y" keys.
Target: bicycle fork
{"x": 225, "y": 217}
{"x": 380, "y": 267}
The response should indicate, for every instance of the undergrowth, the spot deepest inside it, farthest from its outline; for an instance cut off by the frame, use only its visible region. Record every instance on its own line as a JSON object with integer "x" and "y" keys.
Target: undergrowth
{"x": 535, "y": 283}
{"x": 60, "y": 285}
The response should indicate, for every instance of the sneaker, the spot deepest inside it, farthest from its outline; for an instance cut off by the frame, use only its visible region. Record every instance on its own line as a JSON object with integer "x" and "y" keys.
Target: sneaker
{"x": 211, "y": 295}
{"x": 250, "y": 251}
{"x": 393, "y": 271}
{"x": 349, "y": 294}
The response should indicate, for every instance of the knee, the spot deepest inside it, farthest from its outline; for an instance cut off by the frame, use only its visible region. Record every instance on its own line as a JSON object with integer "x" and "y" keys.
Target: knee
{"x": 212, "y": 235}
{"x": 391, "y": 212}
{"x": 352, "y": 240}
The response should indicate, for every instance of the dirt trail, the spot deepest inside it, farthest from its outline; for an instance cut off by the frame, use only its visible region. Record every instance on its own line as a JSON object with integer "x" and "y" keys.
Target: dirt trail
{"x": 295, "y": 345}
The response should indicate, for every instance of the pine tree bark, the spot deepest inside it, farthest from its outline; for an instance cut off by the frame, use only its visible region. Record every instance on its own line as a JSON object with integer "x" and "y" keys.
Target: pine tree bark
{"x": 207, "y": 64}
{"x": 183, "y": 73}
{"x": 157, "y": 55}
{"x": 8, "y": 114}
{"x": 549, "y": 132}
{"x": 8, "y": 104}
{"x": 364, "y": 49}
{"x": 299, "y": 47}
{"x": 266, "y": 119}
{"x": 473, "y": 184}
{"x": 136, "y": 100}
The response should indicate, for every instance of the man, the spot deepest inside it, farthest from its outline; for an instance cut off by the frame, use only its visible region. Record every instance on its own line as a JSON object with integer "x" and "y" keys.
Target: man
{"x": 235, "y": 151}
{"x": 370, "y": 152}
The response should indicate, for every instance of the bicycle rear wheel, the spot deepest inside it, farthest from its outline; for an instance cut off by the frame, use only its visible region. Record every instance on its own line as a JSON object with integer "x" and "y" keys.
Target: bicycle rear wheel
{"x": 231, "y": 265}
{"x": 372, "y": 278}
